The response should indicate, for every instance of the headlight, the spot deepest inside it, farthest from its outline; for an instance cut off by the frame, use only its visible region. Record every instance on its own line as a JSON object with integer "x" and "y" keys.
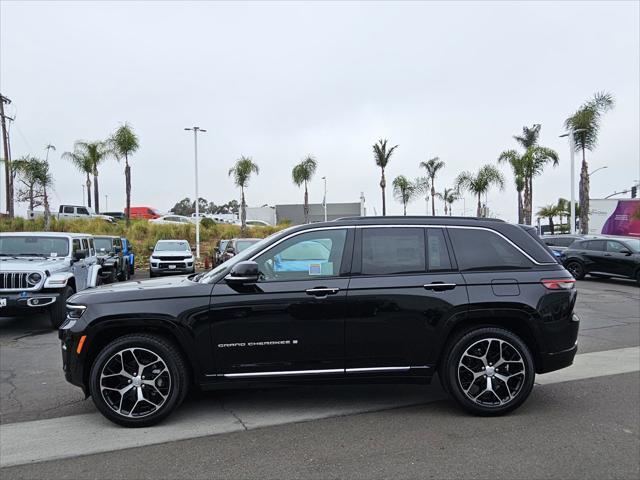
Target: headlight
{"x": 33, "y": 279}
{"x": 75, "y": 311}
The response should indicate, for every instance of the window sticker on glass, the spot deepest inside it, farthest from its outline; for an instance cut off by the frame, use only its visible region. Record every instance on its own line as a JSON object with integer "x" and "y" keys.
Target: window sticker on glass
{"x": 315, "y": 269}
{"x": 53, "y": 254}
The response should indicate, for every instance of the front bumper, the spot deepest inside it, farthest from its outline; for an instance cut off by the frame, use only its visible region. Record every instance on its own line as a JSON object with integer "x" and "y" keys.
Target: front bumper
{"x": 72, "y": 362}
{"x": 162, "y": 267}
{"x": 17, "y": 302}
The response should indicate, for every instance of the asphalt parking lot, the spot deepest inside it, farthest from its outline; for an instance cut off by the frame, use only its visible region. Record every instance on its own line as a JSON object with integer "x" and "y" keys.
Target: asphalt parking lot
{"x": 582, "y": 423}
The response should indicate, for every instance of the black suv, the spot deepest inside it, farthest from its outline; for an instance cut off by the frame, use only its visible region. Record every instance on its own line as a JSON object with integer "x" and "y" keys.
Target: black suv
{"x": 114, "y": 265}
{"x": 482, "y": 303}
{"x": 604, "y": 257}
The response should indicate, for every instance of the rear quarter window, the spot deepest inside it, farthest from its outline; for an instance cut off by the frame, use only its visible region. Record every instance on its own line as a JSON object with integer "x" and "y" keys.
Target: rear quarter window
{"x": 477, "y": 249}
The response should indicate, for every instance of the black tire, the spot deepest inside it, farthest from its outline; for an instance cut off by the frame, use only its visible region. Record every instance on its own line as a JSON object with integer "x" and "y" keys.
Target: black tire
{"x": 142, "y": 413}
{"x": 132, "y": 270}
{"x": 124, "y": 274}
{"x": 638, "y": 277}
{"x": 576, "y": 269}
{"x": 152, "y": 275}
{"x": 58, "y": 311}
{"x": 519, "y": 371}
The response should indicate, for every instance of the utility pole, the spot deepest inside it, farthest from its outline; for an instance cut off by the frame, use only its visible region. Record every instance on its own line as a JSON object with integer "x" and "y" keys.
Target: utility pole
{"x": 572, "y": 148}
{"x": 7, "y": 158}
{"x": 106, "y": 202}
{"x": 195, "y": 149}
{"x": 324, "y": 200}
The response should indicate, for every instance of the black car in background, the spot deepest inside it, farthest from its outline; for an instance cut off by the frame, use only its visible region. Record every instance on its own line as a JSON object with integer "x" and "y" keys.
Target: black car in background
{"x": 235, "y": 246}
{"x": 481, "y": 302}
{"x": 115, "y": 215}
{"x": 218, "y": 251}
{"x": 114, "y": 264}
{"x": 559, "y": 243}
{"x": 604, "y": 257}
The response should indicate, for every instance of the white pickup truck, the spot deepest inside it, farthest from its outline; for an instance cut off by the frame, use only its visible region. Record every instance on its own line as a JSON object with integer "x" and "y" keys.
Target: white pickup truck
{"x": 72, "y": 211}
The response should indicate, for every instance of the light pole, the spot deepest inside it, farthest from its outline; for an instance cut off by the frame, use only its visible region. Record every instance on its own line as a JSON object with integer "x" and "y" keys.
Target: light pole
{"x": 106, "y": 202}
{"x": 195, "y": 149}
{"x": 324, "y": 200}
{"x": 598, "y": 169}
{"x": 572, "y": 148}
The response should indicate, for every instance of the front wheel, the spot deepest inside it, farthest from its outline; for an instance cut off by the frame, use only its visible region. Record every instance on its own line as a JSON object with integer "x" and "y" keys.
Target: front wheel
{"x": 138, "y": 380}
{"x": 489, "y": 371}
{"x": 58, "y": 311}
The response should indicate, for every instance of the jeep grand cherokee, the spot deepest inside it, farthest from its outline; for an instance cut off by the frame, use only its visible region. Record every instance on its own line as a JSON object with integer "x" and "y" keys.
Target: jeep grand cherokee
{"x": 483, "y": 303}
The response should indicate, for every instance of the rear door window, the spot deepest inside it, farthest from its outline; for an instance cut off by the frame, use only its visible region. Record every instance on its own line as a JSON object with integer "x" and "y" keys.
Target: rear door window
{"x": 388, "y": 251}
{"x": 595, "y": 245}
{"x": 67, "y": 210}
{"x": 437, "y": 251}
{"x": 477, "y": 249}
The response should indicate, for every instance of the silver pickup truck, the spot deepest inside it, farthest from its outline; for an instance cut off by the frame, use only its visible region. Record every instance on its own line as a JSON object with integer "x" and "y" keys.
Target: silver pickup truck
{"x": 40, "y": 270}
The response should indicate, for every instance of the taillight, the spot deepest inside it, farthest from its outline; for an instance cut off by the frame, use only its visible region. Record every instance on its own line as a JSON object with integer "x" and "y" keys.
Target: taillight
{"x": 559, "y": 283}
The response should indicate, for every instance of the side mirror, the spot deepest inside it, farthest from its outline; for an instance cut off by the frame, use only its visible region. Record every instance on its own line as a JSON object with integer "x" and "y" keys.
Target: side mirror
{"x": 193, "y": 249}
{"x": 231, "y": 250}
{"x": 79, "y": 255}
{"x": 243, "y": 273}
{"x": 625, "y": 251}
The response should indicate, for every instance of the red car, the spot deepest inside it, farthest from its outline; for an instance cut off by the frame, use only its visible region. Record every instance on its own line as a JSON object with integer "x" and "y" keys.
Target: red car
{"x": 143, "y": 212}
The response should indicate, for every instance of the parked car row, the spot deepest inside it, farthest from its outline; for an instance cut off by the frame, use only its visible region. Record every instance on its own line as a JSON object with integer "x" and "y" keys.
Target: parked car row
{"x": 601, "y": 256}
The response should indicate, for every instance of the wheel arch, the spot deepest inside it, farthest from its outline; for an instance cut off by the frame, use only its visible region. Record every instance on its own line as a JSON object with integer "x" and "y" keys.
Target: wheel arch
{"x": 101, "y": 337}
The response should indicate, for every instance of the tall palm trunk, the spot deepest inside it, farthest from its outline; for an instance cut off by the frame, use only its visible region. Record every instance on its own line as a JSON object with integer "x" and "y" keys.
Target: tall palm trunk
{"x": 433, "y": 198}
{"x": 404, "y": 204}
{"x": 306, "y": 203}
{"x": 383, "y": 184}
{"x": 450, "y": 208}
{"x": 88, "y": 190}
{"x": 584, "y": 196}
{"x": 479, "y": 211}
{"x": 551, "y": 226}
{"x": 520, "y": 207}
{"x": 47, "y": 211}
{"x": 127, "y": 180}
{"x": 530, "y": 219}
{"x": 243, "y": 212}
{"x": 96, "y": 192}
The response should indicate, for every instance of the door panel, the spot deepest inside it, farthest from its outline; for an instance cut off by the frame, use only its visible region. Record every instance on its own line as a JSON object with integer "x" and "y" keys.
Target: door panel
{"x": 278, "y": 326}
{"x": 393, "y": 320}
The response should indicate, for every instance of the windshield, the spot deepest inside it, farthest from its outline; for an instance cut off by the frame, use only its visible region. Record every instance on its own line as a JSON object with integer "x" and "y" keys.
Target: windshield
{"x": 172, "y": 247}
{"x": 242, "y": 245}
{"x": 211, "y": 275}
{"x": 103, "y": 244}
{"x": 34, "y": 246}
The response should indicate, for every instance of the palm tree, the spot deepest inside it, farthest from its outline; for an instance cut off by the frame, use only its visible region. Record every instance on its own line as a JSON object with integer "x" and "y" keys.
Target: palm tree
{"x": 586, "y": 123}
{"x": 404, "y": 190}
{"x": 549, "y": 212}
{"x": 448, "y": 196}
{"x": 382, "y": 156}
{"x": 563, "y": 207}
{"x": 302, "y": 173}
{"x": 124, "y": 143}
{"x": 432, "y": 166}
{"x": 423, "y": 187}
{"x": 480, "y": 183}
{"x": 45, "y": 181}
{"x": 241, "y": 173}
{"x": 93, "y": 153}
{"x": 517, "y": 163}
{"x": 528, "y": 165}
{"x": 82, "y": 162}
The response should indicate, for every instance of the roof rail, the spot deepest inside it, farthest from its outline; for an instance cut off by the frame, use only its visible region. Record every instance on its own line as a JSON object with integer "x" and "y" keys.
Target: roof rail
{"x": 418, "y": 217}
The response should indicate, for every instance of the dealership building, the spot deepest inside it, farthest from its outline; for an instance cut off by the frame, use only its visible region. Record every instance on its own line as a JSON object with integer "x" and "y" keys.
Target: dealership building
{"x": 294, "y": 213}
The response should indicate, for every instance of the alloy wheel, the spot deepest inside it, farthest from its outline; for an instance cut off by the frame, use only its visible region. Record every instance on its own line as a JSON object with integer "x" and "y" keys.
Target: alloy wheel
{"x": 135, "y": 382}
{"x": 491, "y": 372}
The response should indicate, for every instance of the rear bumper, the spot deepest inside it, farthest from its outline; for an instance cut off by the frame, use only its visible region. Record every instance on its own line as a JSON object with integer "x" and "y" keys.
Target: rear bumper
{"x": 550, "y": 362}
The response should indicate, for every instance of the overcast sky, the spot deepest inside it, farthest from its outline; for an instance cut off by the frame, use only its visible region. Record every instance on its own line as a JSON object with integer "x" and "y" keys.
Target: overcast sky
{"x": 279, "y": 81}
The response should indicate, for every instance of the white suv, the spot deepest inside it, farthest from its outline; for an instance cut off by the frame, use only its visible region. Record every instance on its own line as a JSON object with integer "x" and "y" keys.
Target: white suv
{"x": 171, "y": 256}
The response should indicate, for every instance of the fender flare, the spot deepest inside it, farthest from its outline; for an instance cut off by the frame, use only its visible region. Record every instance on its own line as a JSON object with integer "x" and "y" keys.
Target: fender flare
{"x": 58, "y": 280}
{"x": 92, "y": 278}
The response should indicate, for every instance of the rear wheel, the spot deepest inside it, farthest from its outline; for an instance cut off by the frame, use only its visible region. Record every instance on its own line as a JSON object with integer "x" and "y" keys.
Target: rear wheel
{"x": 58, "y": 311}
{"x": 138, "y": 380}
{"x": 489, "y": 371}
{"x": 576, "y": 269}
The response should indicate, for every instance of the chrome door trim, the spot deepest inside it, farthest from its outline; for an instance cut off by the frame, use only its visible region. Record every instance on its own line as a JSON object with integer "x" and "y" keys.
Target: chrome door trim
{"x": 316, "y": 372}
{"x": 377, "y": 369}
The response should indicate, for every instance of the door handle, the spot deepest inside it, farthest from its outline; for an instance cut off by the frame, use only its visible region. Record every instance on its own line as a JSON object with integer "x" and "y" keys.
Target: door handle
{"x": 439, "y": 286}
{"x": 322, "y": 291}
{"x": 607, "y": 254}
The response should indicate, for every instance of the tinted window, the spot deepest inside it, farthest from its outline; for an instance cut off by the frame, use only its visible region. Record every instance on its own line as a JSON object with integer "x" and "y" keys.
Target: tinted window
{"x": 85, "y": 244}
{"x": 485, "y": 250}
{"x": 615, "y": 247}
{"x": 76, "y": 245}
{"x": 438, "y": 258}
{"x": 388, "y": 251}
{"x": 595, "y": 245}
{"x": 83, "y": 211}
{"x": 68, "y": 210}
{"x": 305, "y": 256}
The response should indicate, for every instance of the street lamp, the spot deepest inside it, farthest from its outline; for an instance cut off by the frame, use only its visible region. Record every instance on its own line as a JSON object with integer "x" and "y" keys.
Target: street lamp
{"x": 572, "y": 148}
{"x": 106, "y": 202}
{"x": 597, "y": 169}
{"x": 195, "y": 149}
{"x": 324, "y": 200}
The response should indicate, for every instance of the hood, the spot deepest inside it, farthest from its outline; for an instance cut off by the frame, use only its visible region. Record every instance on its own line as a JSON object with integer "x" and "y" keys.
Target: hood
{"x": 35, "y": 264}
{"x": 182, "y": 253}
{"x": 141, "y": 290}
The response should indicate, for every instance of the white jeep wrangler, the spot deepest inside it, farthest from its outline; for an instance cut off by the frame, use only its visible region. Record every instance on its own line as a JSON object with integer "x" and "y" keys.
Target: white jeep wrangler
{"x": 40, "y": 270}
